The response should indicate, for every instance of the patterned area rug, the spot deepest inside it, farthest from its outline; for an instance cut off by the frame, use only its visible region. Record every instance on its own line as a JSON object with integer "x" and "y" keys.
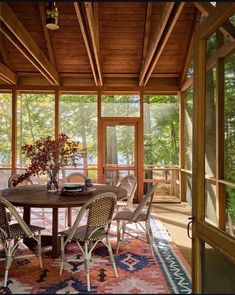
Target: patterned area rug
{"x": 139, "y": 272}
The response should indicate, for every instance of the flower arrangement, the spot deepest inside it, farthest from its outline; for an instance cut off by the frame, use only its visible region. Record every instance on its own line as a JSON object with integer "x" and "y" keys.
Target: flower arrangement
{"x": 49, "y": 155}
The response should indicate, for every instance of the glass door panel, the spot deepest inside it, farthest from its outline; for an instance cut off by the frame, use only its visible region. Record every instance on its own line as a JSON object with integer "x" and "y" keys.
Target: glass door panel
{"x": 213, "y": 188}
{"x": 218, "y": 272}
{"x": 120, "y": 154}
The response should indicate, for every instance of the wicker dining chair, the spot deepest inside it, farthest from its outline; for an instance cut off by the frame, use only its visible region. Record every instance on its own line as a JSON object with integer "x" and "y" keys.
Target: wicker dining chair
{"x": 129, "y": 183}
{"x": 139, "y": 216}
{"x": 12, "y": 234}
{"x": 100, "y": 212}
{"x": 27, "y": 181}
{"x": 76, "y": 177}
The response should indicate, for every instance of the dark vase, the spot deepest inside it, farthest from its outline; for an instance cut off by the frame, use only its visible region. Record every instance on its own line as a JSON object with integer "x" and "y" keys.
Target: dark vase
{"x": 52, "y": 183}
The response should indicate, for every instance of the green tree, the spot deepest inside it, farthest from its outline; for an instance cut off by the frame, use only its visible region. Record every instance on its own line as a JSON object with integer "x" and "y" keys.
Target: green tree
{"x": 5, "y": 129}
{"x": 161, "y": 125}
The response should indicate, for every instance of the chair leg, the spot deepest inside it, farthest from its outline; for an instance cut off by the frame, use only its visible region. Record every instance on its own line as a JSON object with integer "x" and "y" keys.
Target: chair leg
{"x": 123, "y": 229}
{"x": 61, "y": 255}
{"x": 149, "y": 237}
{"x": 65, "y": 216}
{"x": 122, "y": 224}
{"x": 86, "y": 265}
{"x": 43, "y": 217}
{"x": 8, "y": 261}
{"x": 111, "y": 256}
{"x": 5, "y": 278}
{"x": 69, "y": 217}
{"x": 39, "y": 249}
{"x": 118, "y": 236}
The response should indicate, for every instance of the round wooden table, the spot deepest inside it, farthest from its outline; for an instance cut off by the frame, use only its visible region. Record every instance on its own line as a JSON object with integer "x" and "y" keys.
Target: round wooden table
{"x": 37, "y": 196}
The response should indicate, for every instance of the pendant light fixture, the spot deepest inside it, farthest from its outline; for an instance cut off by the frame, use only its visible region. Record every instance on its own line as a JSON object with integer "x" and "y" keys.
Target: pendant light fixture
{"x": 52, "y": 16}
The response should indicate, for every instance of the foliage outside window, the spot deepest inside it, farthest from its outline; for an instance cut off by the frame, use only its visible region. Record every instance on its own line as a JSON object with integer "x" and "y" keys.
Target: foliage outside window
{"x": 120, "y": 145}
{"x": 5, "y": 129}
{"x": 229, "y": 130}
{"x": 35, "y": 119}
{"x": 210, "y": 144}
{"x": 190, "y": 69}
{"x": 188, "y": 128}
{"x": 161, "y": 130}
{"x": 5, "y": 137}
{"x": 232, "y": 19}
{"x": 210, "y": 123}
{"x": 120, "y": 106}
{"x": 211, "y": 46}
{"x": 78, "y": 119}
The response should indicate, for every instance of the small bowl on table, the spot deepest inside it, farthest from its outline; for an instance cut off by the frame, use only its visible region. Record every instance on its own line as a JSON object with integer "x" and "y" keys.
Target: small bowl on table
{"x": 73, "y": 187}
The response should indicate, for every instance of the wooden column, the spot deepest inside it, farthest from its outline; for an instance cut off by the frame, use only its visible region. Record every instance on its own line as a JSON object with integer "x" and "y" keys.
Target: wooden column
{"x": 198, "y": 184}
{"x": 99, "y": 141}
{"x": 140, "y": 149}
{"x": 14, "y": 132}
{"x": 55, "y": 239}
{"x": 220, "y": 194}
{"x": 57, "y": 113}
{"x": 182, "y": 175}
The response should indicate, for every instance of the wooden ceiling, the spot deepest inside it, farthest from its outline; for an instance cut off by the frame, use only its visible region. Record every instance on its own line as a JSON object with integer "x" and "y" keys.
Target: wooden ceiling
{"x": 98, "y": 43}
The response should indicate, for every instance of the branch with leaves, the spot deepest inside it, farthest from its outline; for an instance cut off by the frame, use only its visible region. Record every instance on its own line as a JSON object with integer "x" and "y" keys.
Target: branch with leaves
{"x": 50, "y": 155}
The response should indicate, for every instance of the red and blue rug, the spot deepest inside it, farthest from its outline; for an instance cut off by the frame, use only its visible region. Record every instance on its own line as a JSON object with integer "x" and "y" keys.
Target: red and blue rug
{"x": 139, "y": 273}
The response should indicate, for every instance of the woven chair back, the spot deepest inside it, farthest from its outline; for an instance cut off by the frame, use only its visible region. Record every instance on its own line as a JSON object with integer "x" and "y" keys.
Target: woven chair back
{"x": 100, "y": 213}
{"x": 146, "y": 202}
{"x": 4, "y": 222}
{"x": 101, "y": 210}
{"x": 129, "y": 183}
{"x": 76, "y": 177}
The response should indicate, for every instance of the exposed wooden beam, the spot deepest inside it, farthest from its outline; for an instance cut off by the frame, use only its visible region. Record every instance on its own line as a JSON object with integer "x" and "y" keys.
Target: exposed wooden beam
{"x": 190, "y": 46}
{"x": 13, "y": 29}
{"x": 79, "y": 9}
{"x": 220, "y": 53}
{"x": 217, "y": 19}
{"x": 148, "y": 15}
{"x": 95, "y": 6}
{"x": 156, "y": 39}
{"x": 46, "y": 33}
{"x": 206, "y": 9}
{"x": 223, "y": 51}
{"x": 186, "y": 84}
{"x": 92, "y": 26}
{"x": 175, "y": 13}
{"x": 156, "y": 85}
{"x": 4, "y": 53}
{"x": 7, "y": 75}
{"x": 110, "y": 75}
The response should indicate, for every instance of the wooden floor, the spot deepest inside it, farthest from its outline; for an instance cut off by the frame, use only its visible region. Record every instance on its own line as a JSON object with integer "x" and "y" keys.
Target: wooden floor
{"x": 174, "y": 216}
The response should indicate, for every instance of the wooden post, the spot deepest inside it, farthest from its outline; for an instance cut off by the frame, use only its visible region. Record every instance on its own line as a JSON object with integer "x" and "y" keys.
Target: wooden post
{"x": 198, "y": 184}
{"x": 220, "y": 194}
{"x": 57, "y": 113}
{"x": 140, "y": 148}
{"x": 182, "y": 175}
{"x": 99, "y": 141}
{"x": 14, "y": 132}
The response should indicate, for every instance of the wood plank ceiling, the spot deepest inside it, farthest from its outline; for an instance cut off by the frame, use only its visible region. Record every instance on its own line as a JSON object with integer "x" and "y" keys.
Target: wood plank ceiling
{"x": 97, "y": 43}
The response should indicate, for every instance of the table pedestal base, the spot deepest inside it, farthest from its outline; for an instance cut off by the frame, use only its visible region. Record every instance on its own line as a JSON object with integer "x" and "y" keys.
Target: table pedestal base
{"x": 53, "y": 240}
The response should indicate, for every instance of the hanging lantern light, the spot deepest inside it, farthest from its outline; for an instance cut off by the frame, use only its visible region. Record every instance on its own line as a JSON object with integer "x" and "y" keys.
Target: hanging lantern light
{"x": 52, "y": 16}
